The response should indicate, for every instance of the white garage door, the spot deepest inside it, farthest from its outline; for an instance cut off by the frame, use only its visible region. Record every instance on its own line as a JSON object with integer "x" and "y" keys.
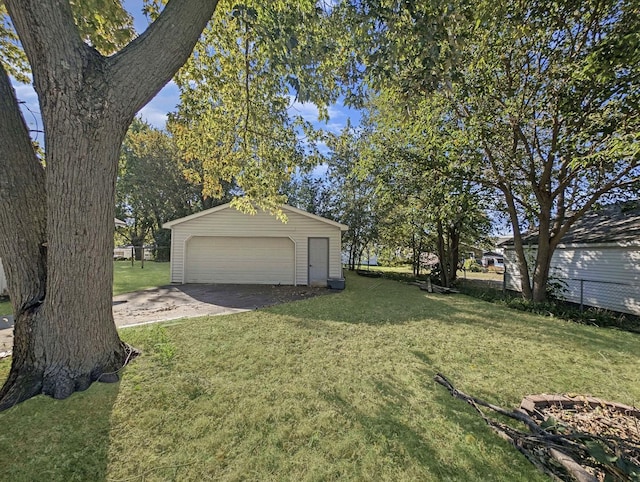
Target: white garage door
{"x": 219, "y": 259}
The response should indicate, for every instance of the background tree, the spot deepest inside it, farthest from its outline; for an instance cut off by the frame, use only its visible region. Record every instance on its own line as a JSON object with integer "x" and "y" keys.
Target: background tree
{"x": 547, "y": 91}
{"x": 405, "y": 228}
{"x": 557, "y": 134}
{"x": 354, "y": 200}
{"x": 151, "y": 188}
{"x": 425, "y": 165}
{"x": 58, "y": 254}
{"x": 309, "y": 193}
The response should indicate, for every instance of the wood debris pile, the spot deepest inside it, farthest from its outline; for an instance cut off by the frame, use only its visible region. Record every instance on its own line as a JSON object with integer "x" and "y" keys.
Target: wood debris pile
{"x": 570, "y": 438}
{"x": 614, "y": 428}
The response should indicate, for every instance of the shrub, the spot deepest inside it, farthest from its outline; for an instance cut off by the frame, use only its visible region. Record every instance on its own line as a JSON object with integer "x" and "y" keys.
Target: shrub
{"x": 555, "y": 307}
{"x": 472, "y": 265}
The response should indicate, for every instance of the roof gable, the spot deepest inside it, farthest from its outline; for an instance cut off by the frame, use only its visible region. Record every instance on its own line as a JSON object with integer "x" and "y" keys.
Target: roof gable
{"x": 284, "y": 207}
{"x": 614, "y": 223}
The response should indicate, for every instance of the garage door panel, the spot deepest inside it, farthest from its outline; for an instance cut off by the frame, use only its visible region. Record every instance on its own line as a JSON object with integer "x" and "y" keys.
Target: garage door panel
{"x": 217, "y": 259}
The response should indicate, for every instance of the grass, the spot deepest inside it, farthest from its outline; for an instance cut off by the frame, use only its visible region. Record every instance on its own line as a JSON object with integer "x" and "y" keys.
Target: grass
{"x": 5, "y": 306}
{"x": 405, "y": 273}
{"x": 338, "y": 387}
{"x": 126, "y": 278}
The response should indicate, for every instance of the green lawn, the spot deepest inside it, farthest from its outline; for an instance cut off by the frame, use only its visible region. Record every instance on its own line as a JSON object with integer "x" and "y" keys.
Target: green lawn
{"x": 5, "y": 307}
{"x": 337, "y": 387}
{"x": 406, "y": 269}
{"x": 126, "y": 278}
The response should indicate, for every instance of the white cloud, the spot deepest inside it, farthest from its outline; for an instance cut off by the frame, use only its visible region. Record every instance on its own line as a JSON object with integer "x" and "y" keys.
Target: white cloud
{"x": 154, "y": 116}
{"x": 155, "y": 112}
{"x": 307, "y": 110}
{"x": 26, "y": 93}
{"x": 338, "y": 115}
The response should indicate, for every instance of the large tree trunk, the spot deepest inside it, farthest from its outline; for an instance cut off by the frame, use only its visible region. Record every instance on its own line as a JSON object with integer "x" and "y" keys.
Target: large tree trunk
{"x": 60, "y": 278}
{"x": 65, "y": 338}
{"x": 454, "y": 254}
{"x": 82, "y": 167}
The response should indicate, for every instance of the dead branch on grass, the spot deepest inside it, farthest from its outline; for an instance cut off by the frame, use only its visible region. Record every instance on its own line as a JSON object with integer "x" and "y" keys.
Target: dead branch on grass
{"x": 560, "y": 453}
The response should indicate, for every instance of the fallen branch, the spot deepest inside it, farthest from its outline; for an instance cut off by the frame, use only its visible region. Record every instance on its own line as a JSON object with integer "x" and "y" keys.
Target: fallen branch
{"x": 563, "y": 456}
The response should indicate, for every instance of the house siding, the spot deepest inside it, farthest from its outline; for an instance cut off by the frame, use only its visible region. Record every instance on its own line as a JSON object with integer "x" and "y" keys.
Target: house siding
{"x": 232, "y": 223}
{"x": 610, "y": 274}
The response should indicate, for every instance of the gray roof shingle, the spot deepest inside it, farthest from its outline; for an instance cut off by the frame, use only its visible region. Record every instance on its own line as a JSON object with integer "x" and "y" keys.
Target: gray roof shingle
{"x": 614, "y": 223}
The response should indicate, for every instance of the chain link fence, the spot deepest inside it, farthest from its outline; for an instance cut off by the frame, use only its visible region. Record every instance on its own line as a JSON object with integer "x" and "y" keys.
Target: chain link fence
{"x": 608, "y": 295}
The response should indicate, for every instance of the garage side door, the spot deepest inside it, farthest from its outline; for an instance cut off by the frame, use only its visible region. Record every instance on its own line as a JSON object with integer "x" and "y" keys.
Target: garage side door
{"x": 241, "y": 260}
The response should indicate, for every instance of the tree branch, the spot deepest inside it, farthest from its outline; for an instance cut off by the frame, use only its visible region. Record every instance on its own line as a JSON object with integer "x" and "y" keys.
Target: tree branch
{"x": 144, "y": 66}
{"x": 50, "y": 39}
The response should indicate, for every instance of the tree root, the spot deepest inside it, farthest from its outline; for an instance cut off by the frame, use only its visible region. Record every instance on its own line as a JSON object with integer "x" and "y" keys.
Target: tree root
{"x": 18, "y": 388}
{"x": 59, "y": 382}
{"x": 563, "y": 456}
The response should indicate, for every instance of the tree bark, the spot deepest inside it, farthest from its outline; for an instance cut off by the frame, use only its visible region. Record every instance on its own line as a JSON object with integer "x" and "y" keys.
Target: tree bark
{"x": 543, "y": 257}
{"x": 523, "y": 266}
{"x": 22, "y": 247}
{"x": 442, "y": 255}
{"x": 65, "y": 337}
{"x": 454, "y": 253}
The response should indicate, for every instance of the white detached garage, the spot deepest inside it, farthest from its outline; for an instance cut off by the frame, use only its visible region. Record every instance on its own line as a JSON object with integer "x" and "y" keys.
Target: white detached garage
{"x": 223, "y": 245}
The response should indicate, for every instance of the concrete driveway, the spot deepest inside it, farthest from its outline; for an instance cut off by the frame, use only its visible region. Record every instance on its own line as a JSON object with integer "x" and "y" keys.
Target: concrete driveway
{"x": 186, "y": 301}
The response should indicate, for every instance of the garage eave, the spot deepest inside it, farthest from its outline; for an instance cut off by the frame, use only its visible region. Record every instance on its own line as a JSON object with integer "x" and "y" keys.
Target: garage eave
{"x": 285, "y": 207}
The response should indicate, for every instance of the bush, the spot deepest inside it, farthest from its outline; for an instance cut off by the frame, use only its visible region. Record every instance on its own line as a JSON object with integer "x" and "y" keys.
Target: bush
{"x": 472, "y": 265}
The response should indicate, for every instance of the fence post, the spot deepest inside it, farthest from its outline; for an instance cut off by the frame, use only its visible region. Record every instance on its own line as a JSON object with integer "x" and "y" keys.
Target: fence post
{"x": 581, "y": 295}
{"x": 504, "y": 283}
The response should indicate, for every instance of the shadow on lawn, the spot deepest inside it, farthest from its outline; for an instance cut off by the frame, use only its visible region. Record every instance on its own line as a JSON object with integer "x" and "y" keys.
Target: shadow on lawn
{"x": 464, "y": 419}
{"x": 398, "y": 432}
{"x": 396, "y": 437}
{"x": 47, "y": 439}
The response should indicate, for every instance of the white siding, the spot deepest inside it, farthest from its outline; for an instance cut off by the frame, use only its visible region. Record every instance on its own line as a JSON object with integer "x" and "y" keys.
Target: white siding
{"x": 610, "y": 274}
{"x": 230, "y": 222}
{"x": 3, "y": 281}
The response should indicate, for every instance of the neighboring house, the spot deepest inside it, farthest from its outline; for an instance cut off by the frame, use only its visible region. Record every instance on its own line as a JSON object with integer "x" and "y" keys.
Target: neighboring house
{"x": 598, "y": 259}
{"x": 127, "y": 252}
{"x": 491, "y": 259}
{"x": 223, "y": 245}
{"x": 468, "y": 251}
{"x": 499, "y": 242}
{"x": 3, "y": 279}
